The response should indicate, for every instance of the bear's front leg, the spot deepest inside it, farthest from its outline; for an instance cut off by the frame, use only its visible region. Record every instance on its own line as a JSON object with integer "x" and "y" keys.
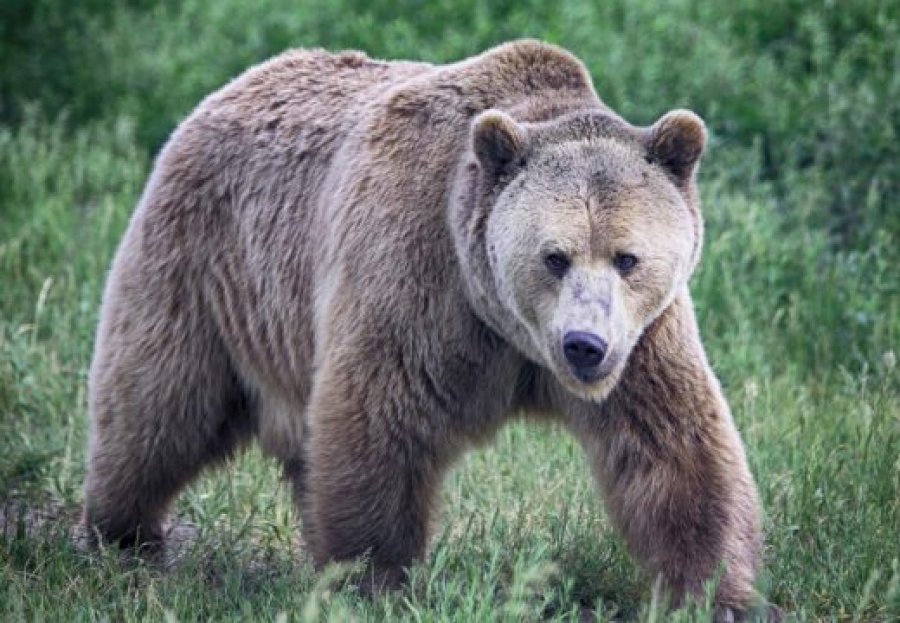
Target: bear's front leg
{"x": 372, "y": 469}
{"x": 672, "y": 468}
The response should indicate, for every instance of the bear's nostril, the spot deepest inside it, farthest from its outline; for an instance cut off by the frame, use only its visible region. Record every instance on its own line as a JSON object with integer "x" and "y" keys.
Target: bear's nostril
{"x": 583, "y": 349}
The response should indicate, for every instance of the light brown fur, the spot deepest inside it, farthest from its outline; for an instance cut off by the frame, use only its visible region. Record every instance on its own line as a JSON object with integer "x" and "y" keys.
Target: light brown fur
{"x": 336, "y": 256}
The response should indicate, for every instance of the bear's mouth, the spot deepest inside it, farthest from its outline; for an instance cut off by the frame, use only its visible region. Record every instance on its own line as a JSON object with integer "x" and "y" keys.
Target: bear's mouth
{"x": 594, "y": 374}
{"x": 589, "y": 375}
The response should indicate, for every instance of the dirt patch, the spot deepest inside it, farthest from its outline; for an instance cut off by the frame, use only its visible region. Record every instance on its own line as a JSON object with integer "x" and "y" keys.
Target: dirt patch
{"x": 23, "y": 519}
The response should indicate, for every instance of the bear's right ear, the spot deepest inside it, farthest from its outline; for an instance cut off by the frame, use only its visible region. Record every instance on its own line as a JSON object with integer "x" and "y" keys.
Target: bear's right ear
{"x": 498, "y": 142}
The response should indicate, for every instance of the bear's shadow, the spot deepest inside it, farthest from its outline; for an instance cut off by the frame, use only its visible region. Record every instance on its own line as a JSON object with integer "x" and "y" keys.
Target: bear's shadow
{"x": 238, "y": 568}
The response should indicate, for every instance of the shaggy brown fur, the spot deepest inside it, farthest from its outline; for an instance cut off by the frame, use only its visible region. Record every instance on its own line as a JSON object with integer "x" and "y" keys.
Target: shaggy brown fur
{"x": 345, "y": 259}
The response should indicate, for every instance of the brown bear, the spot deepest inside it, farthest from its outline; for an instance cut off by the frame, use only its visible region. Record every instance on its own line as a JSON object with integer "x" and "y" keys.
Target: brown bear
{"x": 369, "y": 266}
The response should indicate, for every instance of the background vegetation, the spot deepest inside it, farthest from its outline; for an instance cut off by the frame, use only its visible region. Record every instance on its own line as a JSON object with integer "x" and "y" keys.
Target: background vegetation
{"x": 798, "y": 297}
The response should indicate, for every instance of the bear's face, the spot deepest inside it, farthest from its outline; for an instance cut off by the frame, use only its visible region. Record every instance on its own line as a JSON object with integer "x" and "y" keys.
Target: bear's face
{"x": 589, "y": 232}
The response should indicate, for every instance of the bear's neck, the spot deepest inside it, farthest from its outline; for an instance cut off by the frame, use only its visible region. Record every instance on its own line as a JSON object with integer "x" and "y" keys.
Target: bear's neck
{"x": 468, "y": 224}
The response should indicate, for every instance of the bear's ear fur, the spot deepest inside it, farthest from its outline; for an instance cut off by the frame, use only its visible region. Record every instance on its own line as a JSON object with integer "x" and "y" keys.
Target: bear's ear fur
{"x": 498, "y": 142}
{"x": 676, "y": 143}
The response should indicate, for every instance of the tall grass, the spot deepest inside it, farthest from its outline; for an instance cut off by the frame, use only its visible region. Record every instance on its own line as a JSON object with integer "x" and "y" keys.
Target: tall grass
{"x": 798, "y": 297}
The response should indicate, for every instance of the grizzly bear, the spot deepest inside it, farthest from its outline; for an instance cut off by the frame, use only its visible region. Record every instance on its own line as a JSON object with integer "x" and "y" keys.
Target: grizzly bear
{"x": 369, "y": 266}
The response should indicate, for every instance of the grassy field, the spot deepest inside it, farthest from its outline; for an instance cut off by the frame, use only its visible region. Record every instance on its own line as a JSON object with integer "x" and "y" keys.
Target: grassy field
{"x": 798, "y": 296}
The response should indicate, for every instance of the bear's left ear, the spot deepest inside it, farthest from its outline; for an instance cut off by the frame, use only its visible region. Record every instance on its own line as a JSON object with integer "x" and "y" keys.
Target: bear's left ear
{"x": 676, "y": 142}
{"x": 498, "y": 142}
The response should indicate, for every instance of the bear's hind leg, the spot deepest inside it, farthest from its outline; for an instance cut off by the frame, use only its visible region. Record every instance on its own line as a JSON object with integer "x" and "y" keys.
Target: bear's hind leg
{"x": 163, "y": 405}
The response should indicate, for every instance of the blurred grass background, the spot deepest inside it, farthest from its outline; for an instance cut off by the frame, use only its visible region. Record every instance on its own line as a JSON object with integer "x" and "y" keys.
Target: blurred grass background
{"x": 798, "y": 296}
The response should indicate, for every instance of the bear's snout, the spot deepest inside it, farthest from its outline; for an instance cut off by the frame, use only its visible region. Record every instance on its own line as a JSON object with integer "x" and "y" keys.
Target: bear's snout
{"x": 584, "y": 351}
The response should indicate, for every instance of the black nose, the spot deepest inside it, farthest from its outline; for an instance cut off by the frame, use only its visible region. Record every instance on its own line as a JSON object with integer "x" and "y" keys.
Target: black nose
{"x": 583, "y": 350}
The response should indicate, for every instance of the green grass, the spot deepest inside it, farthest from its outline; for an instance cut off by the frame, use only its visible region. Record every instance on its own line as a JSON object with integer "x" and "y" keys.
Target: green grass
{"x": 798, "y": 297}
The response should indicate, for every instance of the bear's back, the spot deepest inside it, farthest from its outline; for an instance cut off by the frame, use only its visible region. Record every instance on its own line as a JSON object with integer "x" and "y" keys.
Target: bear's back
{"x": 303, "y": 88}
{"x": 286, "y": 116}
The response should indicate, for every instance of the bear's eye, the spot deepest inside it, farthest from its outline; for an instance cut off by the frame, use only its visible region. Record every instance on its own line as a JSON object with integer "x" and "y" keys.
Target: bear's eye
{"x": 625, "y": 262}
{"x": 557, "y": 264}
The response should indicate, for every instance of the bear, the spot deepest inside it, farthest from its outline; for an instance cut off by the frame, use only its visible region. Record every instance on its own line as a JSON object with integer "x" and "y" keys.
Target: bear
{"x": 369, "y": 266}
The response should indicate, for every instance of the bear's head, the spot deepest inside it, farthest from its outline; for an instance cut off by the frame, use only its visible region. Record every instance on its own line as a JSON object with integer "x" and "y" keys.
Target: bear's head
{"x": 575, "y": 234}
